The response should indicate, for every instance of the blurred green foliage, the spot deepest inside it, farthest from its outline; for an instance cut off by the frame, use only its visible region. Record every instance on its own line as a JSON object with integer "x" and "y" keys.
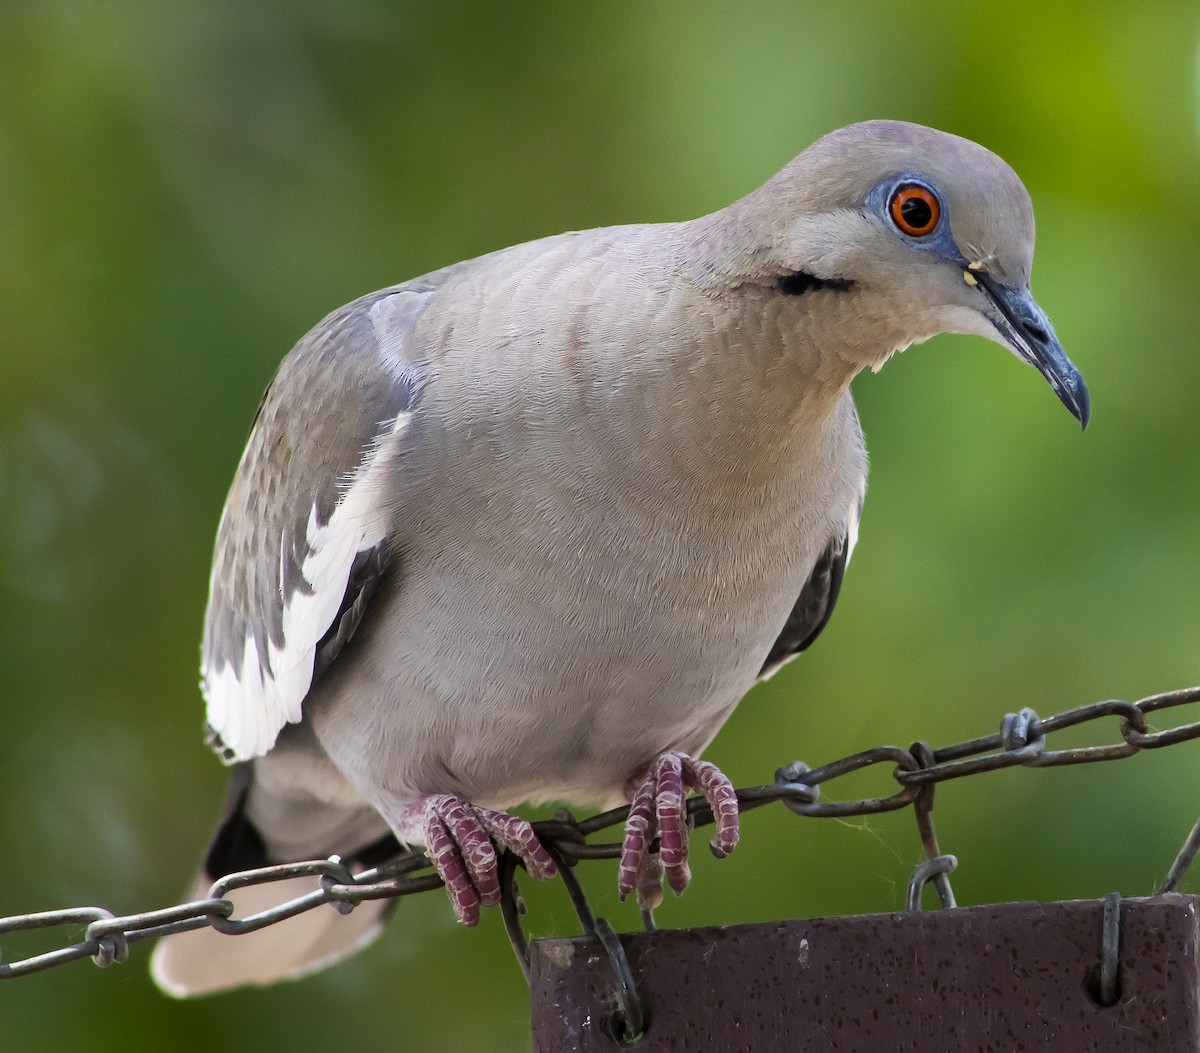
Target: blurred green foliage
{"x": 185, "y": 187}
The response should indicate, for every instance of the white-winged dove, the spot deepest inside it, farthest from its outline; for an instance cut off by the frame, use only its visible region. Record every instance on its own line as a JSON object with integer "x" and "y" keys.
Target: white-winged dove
{"x": 527, "y": 528}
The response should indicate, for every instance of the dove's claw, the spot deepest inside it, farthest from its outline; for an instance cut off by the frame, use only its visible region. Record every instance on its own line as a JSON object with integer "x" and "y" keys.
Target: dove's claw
{"x": 461, "y": 838}
{"x": 658, "y": 806}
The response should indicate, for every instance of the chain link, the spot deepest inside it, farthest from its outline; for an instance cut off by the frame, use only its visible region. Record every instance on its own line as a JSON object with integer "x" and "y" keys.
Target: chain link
{"x": 1021, "y": 740}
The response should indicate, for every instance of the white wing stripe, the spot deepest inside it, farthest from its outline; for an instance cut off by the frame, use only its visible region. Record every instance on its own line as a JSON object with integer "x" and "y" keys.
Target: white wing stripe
{"x": 248, "y": 712}
{"x": 852, "y": 522}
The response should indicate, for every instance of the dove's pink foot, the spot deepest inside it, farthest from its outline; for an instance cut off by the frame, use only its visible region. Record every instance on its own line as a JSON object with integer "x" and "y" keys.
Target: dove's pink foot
{"x": 461, "y": 839}
{"x": 657, "y": 806}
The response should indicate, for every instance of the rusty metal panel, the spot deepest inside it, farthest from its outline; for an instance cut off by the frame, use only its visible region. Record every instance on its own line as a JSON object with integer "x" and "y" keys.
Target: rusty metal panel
{"x": 1003, "y": 977}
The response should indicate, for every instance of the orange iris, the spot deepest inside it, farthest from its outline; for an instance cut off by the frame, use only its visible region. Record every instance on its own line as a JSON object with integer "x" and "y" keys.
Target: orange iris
{"x": 915, "y": 210}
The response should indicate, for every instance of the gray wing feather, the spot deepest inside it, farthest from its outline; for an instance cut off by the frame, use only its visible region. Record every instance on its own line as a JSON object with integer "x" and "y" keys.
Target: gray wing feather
{"x": 305, "y": 513}
{"x": 368, "y": 571}
{"x": 813, "y": 607}
{"x": 818, "y": 597}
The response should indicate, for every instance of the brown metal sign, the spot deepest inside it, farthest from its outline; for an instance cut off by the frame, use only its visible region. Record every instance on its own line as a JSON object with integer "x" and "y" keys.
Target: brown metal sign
{"x": 1004, "y": 977}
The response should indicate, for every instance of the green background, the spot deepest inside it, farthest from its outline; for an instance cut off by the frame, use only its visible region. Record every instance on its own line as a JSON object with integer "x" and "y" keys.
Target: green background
{"x": 186, "y": 187}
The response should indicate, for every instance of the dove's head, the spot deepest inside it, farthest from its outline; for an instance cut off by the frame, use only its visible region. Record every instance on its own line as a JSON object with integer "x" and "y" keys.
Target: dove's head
{"x": 914, "y": 232}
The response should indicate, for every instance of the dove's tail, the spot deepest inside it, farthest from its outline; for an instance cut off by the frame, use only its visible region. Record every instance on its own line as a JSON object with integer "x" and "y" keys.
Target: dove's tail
{"x": 277, "y": 820}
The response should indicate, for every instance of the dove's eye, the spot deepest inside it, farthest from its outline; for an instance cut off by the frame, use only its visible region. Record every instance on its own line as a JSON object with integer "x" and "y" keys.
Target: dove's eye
{"x": 915, "y": 209}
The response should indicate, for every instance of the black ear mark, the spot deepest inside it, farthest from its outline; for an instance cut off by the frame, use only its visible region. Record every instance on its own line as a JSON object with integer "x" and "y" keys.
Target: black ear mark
{"x": 796, "y": 283}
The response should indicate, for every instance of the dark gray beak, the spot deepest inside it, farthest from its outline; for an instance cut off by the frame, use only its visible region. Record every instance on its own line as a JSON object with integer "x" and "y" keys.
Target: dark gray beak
{"x": 1028, "y": 331}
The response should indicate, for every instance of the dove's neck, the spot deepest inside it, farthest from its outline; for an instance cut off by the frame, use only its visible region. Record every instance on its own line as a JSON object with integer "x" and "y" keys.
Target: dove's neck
{"x": 646, "y": 365}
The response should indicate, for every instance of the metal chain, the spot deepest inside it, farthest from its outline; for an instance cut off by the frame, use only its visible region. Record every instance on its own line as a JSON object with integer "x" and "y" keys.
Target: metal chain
{"x": 1021, "y": 740}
